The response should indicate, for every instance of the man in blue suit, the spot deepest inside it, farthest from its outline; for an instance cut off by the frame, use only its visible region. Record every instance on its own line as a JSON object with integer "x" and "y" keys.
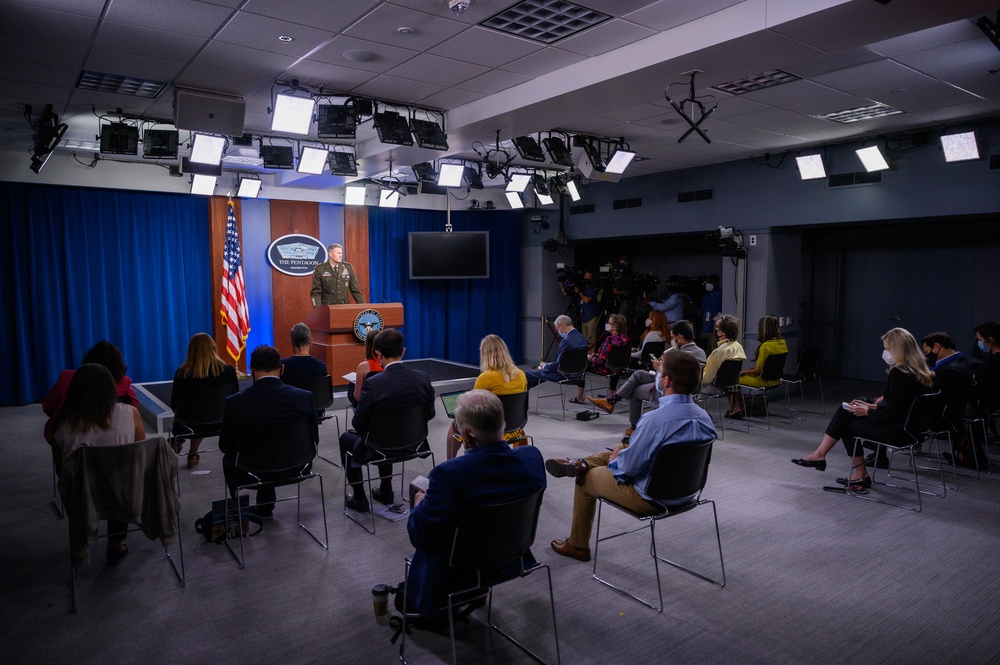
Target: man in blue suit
{"x": 489, "y": 472}
{"x": 268, "y": 402}
{"x": 572, "y": 339}
{"x": 395, "y": 387}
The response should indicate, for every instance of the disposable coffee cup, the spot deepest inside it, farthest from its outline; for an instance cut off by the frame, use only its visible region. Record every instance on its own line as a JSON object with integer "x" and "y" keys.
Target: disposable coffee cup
{"x": 380, "y": 599}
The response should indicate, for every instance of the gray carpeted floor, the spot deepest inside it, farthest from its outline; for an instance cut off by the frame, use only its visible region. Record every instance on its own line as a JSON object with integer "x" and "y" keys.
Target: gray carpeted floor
{"x": 813, "y": 577}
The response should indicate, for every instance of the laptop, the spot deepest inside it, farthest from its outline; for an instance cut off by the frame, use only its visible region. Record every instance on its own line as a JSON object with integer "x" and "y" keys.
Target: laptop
{"x": 449, "y": 400}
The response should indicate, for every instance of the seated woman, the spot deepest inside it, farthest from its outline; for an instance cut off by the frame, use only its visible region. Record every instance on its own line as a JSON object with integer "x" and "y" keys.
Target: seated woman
{"x": 881, "y": 419}
{"x": 771, "y": 342}
{"x": 617, "y": 335}
{"x": 656, "y": 330}
{"x": 103, "y": 353}
{"x": 93, "y": 416}
{"x": 500, "y": 376}
{"x": 202, "y": 368}
{"x": 370, "y": 365}
{"x": 727, "y": 329}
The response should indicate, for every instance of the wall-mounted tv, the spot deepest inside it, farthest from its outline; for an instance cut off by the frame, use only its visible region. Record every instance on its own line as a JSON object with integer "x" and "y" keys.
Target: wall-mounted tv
{"x": 462, "y": 255}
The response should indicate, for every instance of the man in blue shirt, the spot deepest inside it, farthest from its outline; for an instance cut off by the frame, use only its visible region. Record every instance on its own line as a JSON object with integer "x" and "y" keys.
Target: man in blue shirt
{"x": 621, "y": 475}
{"x": 673, "y": 306}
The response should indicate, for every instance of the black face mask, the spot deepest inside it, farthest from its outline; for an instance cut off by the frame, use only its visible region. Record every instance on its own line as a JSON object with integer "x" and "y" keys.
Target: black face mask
{"x": 931, "y": 359}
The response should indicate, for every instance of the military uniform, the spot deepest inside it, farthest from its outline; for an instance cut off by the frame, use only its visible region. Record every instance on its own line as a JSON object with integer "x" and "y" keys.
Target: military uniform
{"x": 332, "y": 282}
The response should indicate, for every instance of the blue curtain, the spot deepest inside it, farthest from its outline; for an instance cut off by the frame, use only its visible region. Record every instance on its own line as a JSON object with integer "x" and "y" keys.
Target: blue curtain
{"x": 80, "y": 265}
{"x": 447, "y": 318}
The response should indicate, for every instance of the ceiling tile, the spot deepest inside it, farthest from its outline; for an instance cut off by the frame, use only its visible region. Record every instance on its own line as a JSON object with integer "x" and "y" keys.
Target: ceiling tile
{"x": 667, "y": 14}
{"x": 331, "y": 77}
{"x": 777, "y": 120}
{"x": 730, "y": 105}
{"x": 329, "y": 17}
{"x": 55, "y": 26}
{"x": 632, "y": 113}
{"x": 217, "y": 80}
{"x": 493, "y": 81}
{"x": 17, "y": 70}
{"x": 82, "y": 7}
{"x": 930, "y": 38}
{"x": 450, "y": 98}
{"x": 479, "y": 10}
{"x": 129, "y": 64}
{"x": 832, "y": 63}
{"x": 397, "y": 89}
{"x": 835, "y": 132}
{"x": 963, "y": 111}
{"x": 876, "y": 80}
{"x": 605, "y": 37}
{"x": 184, "y": 17}
{"x": 243, "y": 59}
{"x": 262, "y": 32}
{"x": 435, "y": 69}
{"x": 785, "y": 93}
{"x": 830, "y": 102}
{"x": 949, "y": 96}
{"x": 542, "y": 62}
{"x": 386, "y": 57}
{"x": 427, "y": 30}
{"x": 485, "y": 47}
{"x": 974, "y": 54}
{"x": 145, "y": 41}
{"x": 28, "y": 49}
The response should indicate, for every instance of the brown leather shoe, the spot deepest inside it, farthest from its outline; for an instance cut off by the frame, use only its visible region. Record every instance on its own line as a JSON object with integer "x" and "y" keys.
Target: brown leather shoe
{"x": 564, "y": 548}
{"x": 602, "y": 404}
{"x": 565, "y": 468}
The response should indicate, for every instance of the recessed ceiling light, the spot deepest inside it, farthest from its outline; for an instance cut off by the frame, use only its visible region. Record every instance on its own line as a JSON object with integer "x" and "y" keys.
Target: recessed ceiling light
{"x": 360, "y": 56}
{"x": 861, "y": 113}
{"x": 284, "y": 38}
{"x": 404, "y": 30}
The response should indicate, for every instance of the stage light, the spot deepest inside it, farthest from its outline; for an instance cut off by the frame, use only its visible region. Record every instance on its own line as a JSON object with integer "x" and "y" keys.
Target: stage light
{"x": 528, "y": 149}
{"x": 544, "y": 199}
{"x": 960, "y": 147}
{"x": 558, "y": 152}
{"x": 473, "y": 178}
{"x": 342, "y": 163}
{"x": 354, "y": 195}
{"x": 450, "y": 175}
{"x": 619, "y": 160}
{"x": 429, "y": 134}
{"x": 118, "y": 138}
{"x": 207, "y": 149}
{"x": 514, "y": 198}
{"x": 312, "y": 160}
{"x": 336, "y": 122}
{"x": 203, "y": 184}
{"x": 424, "y": 172}
{"x": 159, "y": 144}
{"x": 567, "y": 186}
{"x": 392, "y": 128}
{"x": 574, "y": 190}
{"x": 388, "y": 198}
{"x": 811, "y": 167}
{"x": 872, "y": 158}
{"x": 277, "y": 156}
{"x": 248, "y": 187}
{"x": 518, "y": 182}
{"x": 292, "y": 113}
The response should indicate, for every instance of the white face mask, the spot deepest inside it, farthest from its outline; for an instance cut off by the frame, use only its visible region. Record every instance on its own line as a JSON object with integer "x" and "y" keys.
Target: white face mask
{"x": 709, "y": 288}
{"x": 887, "y": 357}
{"x": 607, "y": 326}
{"x": 674, "y": 344}
{"x": 648, "y": 323}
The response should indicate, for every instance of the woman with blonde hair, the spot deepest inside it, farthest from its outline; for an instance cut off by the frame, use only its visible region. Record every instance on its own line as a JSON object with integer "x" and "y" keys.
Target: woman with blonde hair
{"x": 500, "y": 376}
{"x": 881, "y": 419}
{"x": 202, "y": 368}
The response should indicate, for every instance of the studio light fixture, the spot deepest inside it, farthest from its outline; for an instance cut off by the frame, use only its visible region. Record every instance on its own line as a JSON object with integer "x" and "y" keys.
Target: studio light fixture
{"x": 354, "y": 195}
{"x": 559, "y": 153}
{"x": 159, "y": 144}
{"x": 277, "y": 156}
{"x": 568, "y": 186}
{"x": 450, "y": 175}
{"x": 424, "y": 172}
{"x": 514, "y": 198}
{"x": 48, "y": 133}
{"x": 119, "y": 138}
{"x": 293, "y": 111}
{"x": 336, "y": 121}
{"x": 342, "y": 163}
{"x": 542, "y": 192}
{"x": 960, "y": 147}
{"x": 620, "y": 158}
{"x": 473, "y": 179}
{"x": 207, "y": 149}
{"x": 429, "y": 134}
{"x": 811, "y": 167}
{"x": 518, "y": 182}
{"x": 388, "y": 198}
{"x": 203, "y": 184}
{"x": 872, "y": 158}
{"x": 528, "y": 148}
{"x": 392, "y": 128}
{"x": 248, "y": 187}
{"x": 312, "y": 160}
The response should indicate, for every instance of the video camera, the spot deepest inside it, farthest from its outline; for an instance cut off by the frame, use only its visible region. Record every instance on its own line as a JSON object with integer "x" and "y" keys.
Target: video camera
{"x": 646, "y": 283}
{"x": 569, "y": 277}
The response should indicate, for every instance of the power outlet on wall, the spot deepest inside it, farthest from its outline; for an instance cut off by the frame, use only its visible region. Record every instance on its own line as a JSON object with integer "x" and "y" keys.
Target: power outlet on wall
{"x": 753, "y": 241}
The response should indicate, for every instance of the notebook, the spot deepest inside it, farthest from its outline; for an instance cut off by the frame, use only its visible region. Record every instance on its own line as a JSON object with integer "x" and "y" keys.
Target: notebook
{"x": 449, "y": 400}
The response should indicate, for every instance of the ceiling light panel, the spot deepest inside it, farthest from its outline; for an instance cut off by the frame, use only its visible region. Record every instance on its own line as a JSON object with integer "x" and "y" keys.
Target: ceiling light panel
{"x": 119, "y": 85}
{"x": 848, "y": 116}
{"x": 544, "y": 21}
{"x": 767, "y": 79}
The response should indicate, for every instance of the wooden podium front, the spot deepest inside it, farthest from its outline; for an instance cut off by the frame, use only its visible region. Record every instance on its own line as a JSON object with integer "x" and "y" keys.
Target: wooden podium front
{"x": 333, "y": 339}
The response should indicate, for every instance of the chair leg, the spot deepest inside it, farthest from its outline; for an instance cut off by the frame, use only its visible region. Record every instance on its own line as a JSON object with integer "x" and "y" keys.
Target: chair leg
{"x": 597, "y": 544}
{"x": 298, "y": 514}
{"x": 718, "y": 540}
{"x": 514, "y": 641}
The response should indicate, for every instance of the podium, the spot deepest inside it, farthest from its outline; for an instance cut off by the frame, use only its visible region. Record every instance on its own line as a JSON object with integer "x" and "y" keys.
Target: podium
{"x": 333, "y": 339}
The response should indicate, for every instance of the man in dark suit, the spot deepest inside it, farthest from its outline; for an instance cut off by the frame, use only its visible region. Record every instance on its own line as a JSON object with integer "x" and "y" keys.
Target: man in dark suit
{"x": 395, "y": 387}
{"x": 572, "y": 339}
{"x": 489, "y": 472}
{"x": 952, "y": 376}
{"x": 266, "y": 403}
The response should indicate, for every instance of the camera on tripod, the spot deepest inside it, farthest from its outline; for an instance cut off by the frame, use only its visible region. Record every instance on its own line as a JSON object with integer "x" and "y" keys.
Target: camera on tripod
{"x": 570, "y": 277}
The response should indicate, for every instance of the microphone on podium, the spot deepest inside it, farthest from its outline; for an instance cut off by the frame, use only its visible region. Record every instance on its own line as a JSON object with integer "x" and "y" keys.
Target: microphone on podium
{"x": 381, "y": 300}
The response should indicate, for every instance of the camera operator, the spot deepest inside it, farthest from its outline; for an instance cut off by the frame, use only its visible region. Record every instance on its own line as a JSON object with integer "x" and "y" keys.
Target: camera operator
{"x": 624, "y": 285}
{"x": 673, "y": 306}
{"x": 711, "y": 307}
{"x": 585, "y": 292}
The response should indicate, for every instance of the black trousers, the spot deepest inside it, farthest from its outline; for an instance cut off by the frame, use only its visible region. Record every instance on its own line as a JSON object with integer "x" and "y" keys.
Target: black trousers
{"x": 236, "y": 477}
{"x": 353, "y": 442}
{"x": 847, "y": 427}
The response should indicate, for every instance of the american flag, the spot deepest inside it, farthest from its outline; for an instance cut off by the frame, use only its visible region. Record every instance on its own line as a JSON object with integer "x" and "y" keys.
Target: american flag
{"x": 234, "y": 296}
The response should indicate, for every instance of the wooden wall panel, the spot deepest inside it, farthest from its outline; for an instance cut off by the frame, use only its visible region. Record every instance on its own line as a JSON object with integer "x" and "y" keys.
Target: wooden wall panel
{"x": 218, "y": 214}
{"x": 290, "y": 295}
{"x": 356, "y": 245}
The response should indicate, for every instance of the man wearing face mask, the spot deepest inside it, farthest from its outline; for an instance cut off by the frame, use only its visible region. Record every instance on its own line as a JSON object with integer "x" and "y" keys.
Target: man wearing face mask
{"x": 590, "y": 309}
{"x": 571, "y": 340}
{"x": 334, "y": 280}
{"x": 711, "y": 306}
{"x": 622, "y": 473}
{"x": 952, "y": 375}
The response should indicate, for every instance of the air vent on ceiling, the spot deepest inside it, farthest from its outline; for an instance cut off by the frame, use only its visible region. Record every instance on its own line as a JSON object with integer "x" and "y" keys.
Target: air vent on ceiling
{"x": 696, "y": 195}
{"x": 767, "y": 79}
{"x": 119, "y": 85}
{"x": 582, "y": 209}
{"x": 544, "y": 21}
{"x": 848, "y": 116}
{"x": 857, "y": 178}
{"x": 623, "y": 204}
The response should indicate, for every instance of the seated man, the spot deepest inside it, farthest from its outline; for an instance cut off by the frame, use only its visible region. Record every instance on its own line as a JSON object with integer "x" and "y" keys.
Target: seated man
{"x": 395, "y": 387}
{"x": 489, "y": 472}
{"x": 639, "y": 386}
{"x": 727, "y": 330}
{"x": 621, "y": 474}
{"x": 302, "y": 365}
{"x": 572, "y": 339}
{"x": 268, "y": 402}
{"x": 952, "y": 376}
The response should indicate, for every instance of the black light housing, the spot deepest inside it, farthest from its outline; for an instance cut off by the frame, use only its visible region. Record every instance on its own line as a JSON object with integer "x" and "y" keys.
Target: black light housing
{"x": 472, "y": 178}
{"x": 392, "y": 128}
{"x": 336, "y": 121}
{"x": 559, "y": 153}
{"x": 277, "y": 156}
{"x": 425, "y": 172}
{"x": 342, "y": 163}
{"x": 429, "y": 134}
{"x": 528, "y": 149}
{"x": 119, "y": 138}
{"x": 159, "y": 144}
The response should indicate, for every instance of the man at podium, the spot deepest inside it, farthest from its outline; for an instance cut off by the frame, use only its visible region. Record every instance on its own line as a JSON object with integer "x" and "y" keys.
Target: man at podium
{"x": 333, "y": 280}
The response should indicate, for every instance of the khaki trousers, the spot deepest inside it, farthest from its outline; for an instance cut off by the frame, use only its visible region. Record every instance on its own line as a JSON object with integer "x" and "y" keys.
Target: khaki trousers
{"x": 599, "y": 482}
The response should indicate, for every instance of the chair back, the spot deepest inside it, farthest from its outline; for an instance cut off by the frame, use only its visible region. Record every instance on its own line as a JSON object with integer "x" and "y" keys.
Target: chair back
{"x": 679, "y": 470}
{"x": 573, "y": 362}
{"x": 515, "y": 410}
{"x": 202, "y": 405}
{"x": 773, "y": 367}
{"x": 320, "y": 386}
{"x": 278, "y": 447}
{"x": 728, "y": 374}
{"x": 398, "y": 430}
{"x": 492, "y": 535}
{"x": 924, "y": 410}
{"x": 619, "y": 358}
{"x": 807, "y": 363}
{"x": 651, "y": 348}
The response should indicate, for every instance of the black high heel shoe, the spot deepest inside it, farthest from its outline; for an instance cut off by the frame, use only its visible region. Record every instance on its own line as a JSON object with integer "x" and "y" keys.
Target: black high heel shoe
{"x": 819, "y": 464}
{"x": 863, "y": 483}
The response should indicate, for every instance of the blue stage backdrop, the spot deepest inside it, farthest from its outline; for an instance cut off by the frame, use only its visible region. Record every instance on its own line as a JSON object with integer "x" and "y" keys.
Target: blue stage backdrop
{"x": 80, "y": 265}
{"x": 447, "y": 318}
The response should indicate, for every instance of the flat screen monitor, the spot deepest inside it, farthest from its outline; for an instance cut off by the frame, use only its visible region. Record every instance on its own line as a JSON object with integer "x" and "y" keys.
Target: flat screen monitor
{"x": 464, "y": 255}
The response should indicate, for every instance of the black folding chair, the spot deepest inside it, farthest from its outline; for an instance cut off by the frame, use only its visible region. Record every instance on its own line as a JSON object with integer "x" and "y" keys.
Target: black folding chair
{"x": 680, "y": 471}
{"x": 573, "y": 370}
{"x": 806, "y": 371}
{"x": 617, "y": 366}
{"x": 322, "y": 389}
{"x": 727, "y": 380}
{"x": 648, "y": 349}
{"x": 198, "y": 414}
{"x": 486, "y": 539}
{"x": 771, "y": 373}
{"x": 515, "y": 415}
